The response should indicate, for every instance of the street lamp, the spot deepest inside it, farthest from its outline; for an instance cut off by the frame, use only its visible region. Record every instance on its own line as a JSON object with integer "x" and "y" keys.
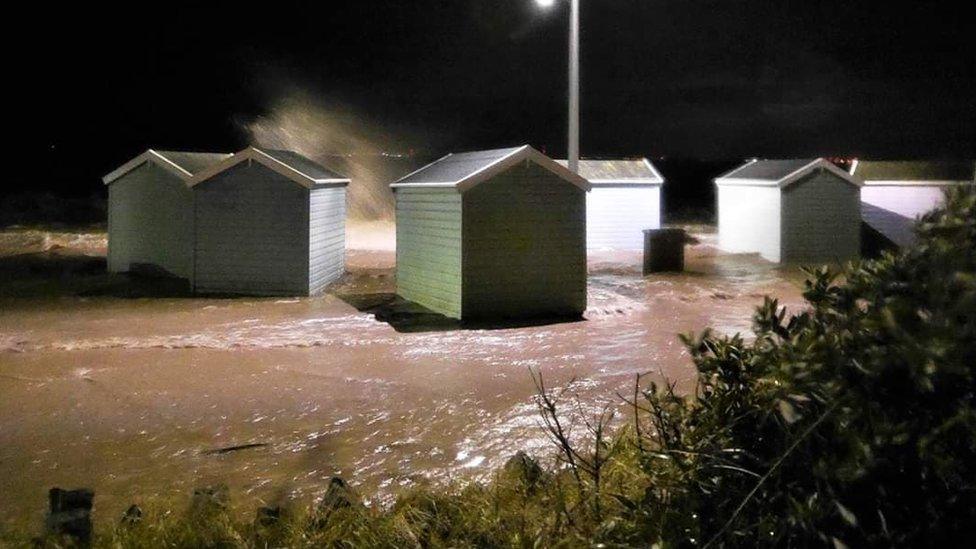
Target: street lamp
{"x": 573, "y": 148}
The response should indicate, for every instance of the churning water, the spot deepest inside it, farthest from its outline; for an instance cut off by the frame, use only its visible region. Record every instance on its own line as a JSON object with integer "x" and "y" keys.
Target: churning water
{"x": 140, "y": 398}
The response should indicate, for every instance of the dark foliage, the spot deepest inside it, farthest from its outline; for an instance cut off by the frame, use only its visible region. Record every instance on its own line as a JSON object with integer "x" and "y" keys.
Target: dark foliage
{"x": 851, "y": 423}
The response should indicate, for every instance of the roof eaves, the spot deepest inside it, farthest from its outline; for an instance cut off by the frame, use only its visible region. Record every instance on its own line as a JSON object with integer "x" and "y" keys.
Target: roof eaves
{"x": 525, "y": 152}
{"x": 485, "y": 172}
{"x": 795, "y": 175}
{"x": 628, "y": 181}
{"x": 498, "y": 165}
{"x": 398, "y": 183}
{"x": 268, "y": 161}
{"x": 559, "y": 170}
{"x": 841, "y": 173}
{"x": 746, "y": 182}
{"x": 654, "y": 178}
{"x": 657, "y": 174}
{"x": 823, "y": 164}
{"x": 890, "y": 172}
{"x": 434, "y": 184}
{"x": 729, "y": 174}
{"x": 217, "y": 168}
{"x": 916, "y": 182}
{"x": 170, "y": 164}
{"x": 262, "y": 155}
{"x": 282, "y": 168}
{"x": 148, "y": 156}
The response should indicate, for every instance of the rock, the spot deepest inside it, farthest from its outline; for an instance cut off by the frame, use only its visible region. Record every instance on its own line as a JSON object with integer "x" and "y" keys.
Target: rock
{"x": 338, "y": 496}
{"x": 211, "y": 498}
{"x": 525, "y": 468}
{"x": 132, "y": 516}
{"x": 70, "y": 514}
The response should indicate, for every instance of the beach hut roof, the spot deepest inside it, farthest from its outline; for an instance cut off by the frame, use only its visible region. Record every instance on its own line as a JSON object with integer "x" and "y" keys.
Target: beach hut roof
{"x": 180, "y": 163}
{"x": 618, "y": 172}
{"x": 913, "y": 172}
{"x": 780, "y": 173}
{"x": 290, "y": 164}
{"x": 463, "y": 171}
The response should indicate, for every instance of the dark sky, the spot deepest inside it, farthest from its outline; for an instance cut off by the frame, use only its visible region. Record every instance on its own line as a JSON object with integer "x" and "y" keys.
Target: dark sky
{"x": 95, "y": 85}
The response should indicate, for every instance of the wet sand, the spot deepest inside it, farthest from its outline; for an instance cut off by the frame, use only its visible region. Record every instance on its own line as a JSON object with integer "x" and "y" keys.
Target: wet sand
{"x": 143, "y": 398}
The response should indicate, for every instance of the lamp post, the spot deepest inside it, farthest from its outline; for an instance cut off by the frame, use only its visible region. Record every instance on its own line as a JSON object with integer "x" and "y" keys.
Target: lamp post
{"x": 574, "y": 27}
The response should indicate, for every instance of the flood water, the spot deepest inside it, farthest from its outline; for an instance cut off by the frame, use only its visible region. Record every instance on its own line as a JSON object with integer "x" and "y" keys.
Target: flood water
{"x": 142, "y": 398}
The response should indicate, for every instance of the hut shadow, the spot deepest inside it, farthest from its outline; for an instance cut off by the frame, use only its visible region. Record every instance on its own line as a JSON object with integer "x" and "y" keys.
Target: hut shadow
{"x": 140, "y": 286}
{"x": 57, "y": 274}
{"x": 409, "y": 317}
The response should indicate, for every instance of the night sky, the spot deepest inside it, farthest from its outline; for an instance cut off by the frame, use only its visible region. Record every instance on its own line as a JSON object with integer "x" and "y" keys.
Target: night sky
{"x": 96, "y": 85}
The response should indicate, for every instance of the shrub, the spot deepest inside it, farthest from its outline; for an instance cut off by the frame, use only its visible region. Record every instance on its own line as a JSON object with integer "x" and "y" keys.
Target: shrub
{"x": 850, "y": 423}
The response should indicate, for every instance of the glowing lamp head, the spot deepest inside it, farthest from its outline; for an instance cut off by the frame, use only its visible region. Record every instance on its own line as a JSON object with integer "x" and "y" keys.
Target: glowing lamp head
{"x": 545, "y": 4}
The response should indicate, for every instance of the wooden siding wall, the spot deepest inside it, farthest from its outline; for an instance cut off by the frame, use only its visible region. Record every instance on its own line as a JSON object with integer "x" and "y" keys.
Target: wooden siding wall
{"x": 616, "y": 216}
{"x": 428, "y": 250}
{"x": 327, "y": 236}
{"x": 524, "y": 247}
{"x": 749, "y": 220}
{"x": 252, "y": 233}
{"x": 150, "y": 218}
{"x": 821, "y": 220}
{"x": 904, "y": 200}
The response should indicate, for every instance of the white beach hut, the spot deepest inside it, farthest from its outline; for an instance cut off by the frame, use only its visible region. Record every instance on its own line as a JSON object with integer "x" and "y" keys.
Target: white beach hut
{"x": 791, "y": 211}
{"x": 895, "y": 193}
{"x": 150, "y": 212}
{"x": 625, "y": 200}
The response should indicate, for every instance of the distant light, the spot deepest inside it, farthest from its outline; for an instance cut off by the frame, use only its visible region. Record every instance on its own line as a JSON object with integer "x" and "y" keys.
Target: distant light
{"x": 545, "y": 4}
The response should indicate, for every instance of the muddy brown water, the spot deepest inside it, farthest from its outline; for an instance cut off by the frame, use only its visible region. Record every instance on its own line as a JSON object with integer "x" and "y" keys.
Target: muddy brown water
{"x": 145, "y": 398}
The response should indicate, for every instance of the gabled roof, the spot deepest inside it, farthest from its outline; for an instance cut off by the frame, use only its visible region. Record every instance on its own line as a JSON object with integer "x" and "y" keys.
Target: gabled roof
{"x": 290, "y": 164}
{"x": 780, "y": 173}
{"x": 463, "y": 171}
{"x": 618, "y": 172}
{"x": 914, "y": 172}
{"x": 181, "y": 164}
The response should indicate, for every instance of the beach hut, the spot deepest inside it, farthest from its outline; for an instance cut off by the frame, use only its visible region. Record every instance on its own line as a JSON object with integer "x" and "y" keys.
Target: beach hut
{"x": 791, "y": 211}
{"x": 268, "y": 222}
{"x": 493, "y": 234}
{"x": 150, "y": 212}
{"x": 625, "y": 200}
{"x": 895, "y": 193}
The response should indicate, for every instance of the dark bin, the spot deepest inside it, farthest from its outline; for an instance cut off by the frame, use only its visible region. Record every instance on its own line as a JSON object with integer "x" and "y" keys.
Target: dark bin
{"x": 664, "y": 250}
